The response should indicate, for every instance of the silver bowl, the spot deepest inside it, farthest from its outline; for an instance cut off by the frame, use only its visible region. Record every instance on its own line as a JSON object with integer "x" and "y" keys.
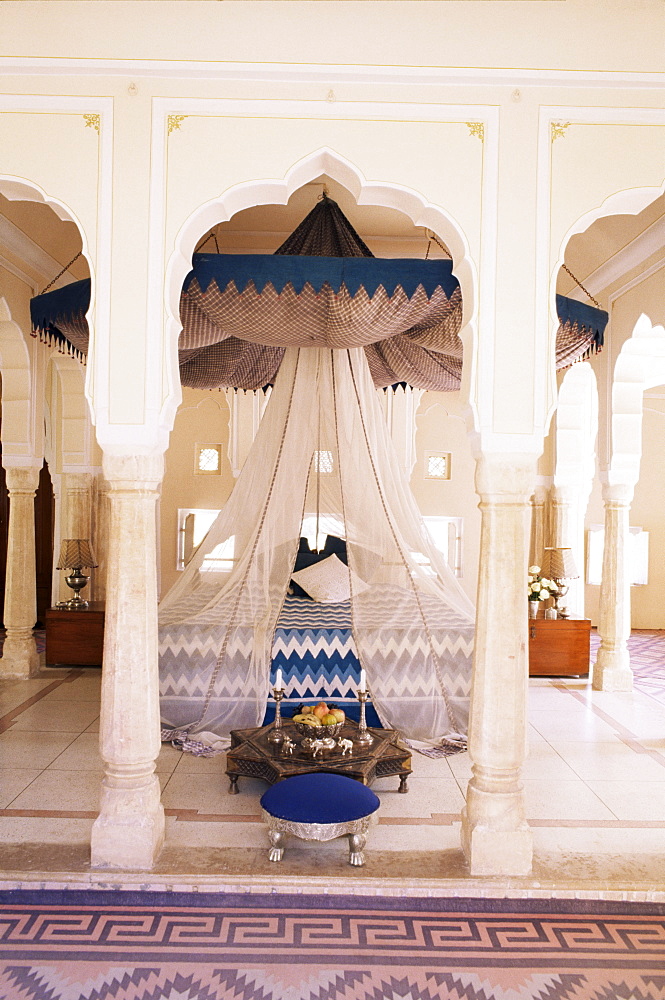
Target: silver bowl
{"x": 318, "y": 732}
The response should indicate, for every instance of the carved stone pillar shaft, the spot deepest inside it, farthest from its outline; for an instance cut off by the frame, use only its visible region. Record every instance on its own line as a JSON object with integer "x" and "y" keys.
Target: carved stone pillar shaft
{"x": 495, "y": 835}
{"x": 129, "y": 830}
{"x": 19, "y": 654}
{"x": 76, "y": 499}
{"x": 568, "y": 506}
{"x": 539, "y": 533}
{"x": 611, "y": 671}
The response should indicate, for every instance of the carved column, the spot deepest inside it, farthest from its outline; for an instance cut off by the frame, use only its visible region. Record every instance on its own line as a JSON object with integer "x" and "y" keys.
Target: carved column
{"x": 76, "y": 498}
{"x": 611, "y": 671}
{"x": 495, "y": 835}
{"x": 129, "y": 831}
{"x": 101, "y": 517}
{"x": 539, "y": 532}
{"x": 19, "y": 654}
{"x": 568, "y": 505}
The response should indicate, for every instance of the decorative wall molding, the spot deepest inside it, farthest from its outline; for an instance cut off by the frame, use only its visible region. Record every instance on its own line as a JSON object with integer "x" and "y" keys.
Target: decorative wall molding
{"x": 329, "y": 75}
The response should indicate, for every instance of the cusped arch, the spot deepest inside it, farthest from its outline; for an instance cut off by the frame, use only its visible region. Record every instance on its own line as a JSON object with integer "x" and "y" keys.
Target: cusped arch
{"x": 639, "y": 366}
{"x": 249, "y": 194}
{"x": 576, "y": 426}
{"x": 70, "y": 440}
{"x": 18, "y": 429}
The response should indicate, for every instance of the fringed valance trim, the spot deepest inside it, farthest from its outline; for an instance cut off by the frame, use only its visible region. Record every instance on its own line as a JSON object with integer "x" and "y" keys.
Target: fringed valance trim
{"x": 47, "y": 311}
{"x": 586, "y": 320}
{"x": 54, "y": 338}
{"x": 354, "y": 273}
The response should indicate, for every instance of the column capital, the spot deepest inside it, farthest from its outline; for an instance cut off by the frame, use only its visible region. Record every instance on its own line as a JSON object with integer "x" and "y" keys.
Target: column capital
{"x": 133, "y": 472}
{"x": 618, "y": 494}
{"x": 506, "y": 477}
{"x": 20, "y": 479}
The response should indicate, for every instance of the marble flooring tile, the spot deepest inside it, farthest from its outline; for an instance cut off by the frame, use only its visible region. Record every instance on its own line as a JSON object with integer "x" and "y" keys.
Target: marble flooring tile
{"x": 564, "y": 800}
{"x": 423, "y": 799}
{"x": 59, "y": 716}
{"x": 19, "y": 748}
{"x": 613, "y": 761}
{"x": 204, "y": 794}
{"x": 573, "y": 724}
{"x": 13, "y": 781}
{"x": 61, "y": 790}
{"x": 632, "y": 800}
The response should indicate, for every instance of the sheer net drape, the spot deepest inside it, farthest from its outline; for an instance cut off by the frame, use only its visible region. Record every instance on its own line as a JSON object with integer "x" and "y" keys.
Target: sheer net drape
{"x": 412, "y": 621}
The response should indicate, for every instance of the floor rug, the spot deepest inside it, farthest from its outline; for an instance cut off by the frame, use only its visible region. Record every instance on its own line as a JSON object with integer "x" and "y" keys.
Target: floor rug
{"x": 128, "y": 945}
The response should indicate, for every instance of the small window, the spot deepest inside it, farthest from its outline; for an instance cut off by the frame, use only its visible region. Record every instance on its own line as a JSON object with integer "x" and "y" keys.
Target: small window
{"x": 193, "y": 525}
{"x": 437, "y": 465}
{"x": 323, "y": 462}
{"x": 208, "y": 459}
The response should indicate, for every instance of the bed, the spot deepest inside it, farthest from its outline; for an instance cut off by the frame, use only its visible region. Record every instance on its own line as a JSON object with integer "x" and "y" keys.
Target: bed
{"x": 314, "y": 647}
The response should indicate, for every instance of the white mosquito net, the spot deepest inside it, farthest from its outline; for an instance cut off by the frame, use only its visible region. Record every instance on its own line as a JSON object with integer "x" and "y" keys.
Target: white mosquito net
{"x": 411, "y": 621}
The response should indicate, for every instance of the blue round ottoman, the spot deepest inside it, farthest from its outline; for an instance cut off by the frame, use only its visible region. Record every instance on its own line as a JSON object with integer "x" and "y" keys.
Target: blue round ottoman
{"x": 319, "y": 806}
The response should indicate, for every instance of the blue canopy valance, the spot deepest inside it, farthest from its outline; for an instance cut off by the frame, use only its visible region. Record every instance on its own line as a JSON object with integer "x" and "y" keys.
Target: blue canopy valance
{"x": 351, "y": 273}
{"x": 321, "y": 288}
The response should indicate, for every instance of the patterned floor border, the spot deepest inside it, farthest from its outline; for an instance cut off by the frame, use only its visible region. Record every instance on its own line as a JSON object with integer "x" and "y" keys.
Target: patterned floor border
{"x": 78, "y": 946}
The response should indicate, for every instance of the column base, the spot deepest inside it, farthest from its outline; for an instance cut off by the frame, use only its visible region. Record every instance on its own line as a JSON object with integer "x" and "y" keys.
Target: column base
{"x": 498, "y": 852}
{"x": 496, "y": 838}
{"x": 611, "y": 671}
{"x": 129, "y": 831}
{"x": 20, "y": 658}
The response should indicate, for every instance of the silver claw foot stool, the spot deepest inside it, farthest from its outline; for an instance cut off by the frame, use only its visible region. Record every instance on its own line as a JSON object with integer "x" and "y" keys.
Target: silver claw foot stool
{"x": 319, "y": 806}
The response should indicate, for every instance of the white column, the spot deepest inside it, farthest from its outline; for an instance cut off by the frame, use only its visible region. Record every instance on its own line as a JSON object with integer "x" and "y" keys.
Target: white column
{"x": 538, "y": 524}
{"x": 129, "y": 831}
{"x": 19, "y": 654}
{"x": 76, "y": 500}
{"x": 100, "y": 532}
{"x": 495, "y": 835}
{"x": 611, "y": 671}
{"x": 568, "y": 506}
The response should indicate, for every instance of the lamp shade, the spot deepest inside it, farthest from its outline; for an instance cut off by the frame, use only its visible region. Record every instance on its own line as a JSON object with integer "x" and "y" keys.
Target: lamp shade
{"x": 76, "y": 553}
{"x": 559, "y": 564}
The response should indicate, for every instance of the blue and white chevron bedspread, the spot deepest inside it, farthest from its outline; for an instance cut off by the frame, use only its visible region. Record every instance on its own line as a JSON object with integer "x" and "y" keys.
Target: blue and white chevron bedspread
{"x": 316, "y": 652}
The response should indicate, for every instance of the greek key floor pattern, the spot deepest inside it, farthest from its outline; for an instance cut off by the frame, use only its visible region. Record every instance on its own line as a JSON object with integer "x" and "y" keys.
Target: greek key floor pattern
{"x": 126, "y": 945}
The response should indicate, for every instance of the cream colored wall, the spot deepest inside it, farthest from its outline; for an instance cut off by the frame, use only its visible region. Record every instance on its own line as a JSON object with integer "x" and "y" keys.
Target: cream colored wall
{"x": 203, "y": 417}
{"x": 441, "y": 427}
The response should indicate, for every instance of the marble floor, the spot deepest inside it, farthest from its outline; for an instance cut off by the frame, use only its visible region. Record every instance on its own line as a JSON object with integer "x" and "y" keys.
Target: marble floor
{"x": 594, "y": 785}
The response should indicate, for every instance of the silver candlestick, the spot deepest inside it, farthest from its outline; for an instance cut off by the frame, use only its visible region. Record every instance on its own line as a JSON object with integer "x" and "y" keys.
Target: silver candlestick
{"x": 364, "y": 737}
{"x": 276, "y": 734}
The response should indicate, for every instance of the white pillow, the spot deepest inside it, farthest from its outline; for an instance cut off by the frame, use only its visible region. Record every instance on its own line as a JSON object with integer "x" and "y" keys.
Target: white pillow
{"x": 327, "y": 582}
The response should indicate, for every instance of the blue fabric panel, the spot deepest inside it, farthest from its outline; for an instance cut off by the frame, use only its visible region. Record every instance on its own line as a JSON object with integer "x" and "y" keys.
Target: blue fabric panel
{"x": 352, "y": 272}
{"x": 61, "y": 303}
{"x": 572, "y": 311}
{"x": 351, "y": 709}
{"x": 319, "y": 798}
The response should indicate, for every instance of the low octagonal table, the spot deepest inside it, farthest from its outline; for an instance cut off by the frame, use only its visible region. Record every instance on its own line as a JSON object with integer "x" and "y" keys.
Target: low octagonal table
{"x": 253, "y": 756}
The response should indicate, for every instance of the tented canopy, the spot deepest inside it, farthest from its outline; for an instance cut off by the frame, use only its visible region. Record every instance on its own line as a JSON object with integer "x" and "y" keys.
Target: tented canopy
{"x": 411, "y": 621}
{"x": 322, "y": 287}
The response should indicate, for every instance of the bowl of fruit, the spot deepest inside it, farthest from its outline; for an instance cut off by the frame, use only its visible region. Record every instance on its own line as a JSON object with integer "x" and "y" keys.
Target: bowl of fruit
{"x": 319, "y": 721}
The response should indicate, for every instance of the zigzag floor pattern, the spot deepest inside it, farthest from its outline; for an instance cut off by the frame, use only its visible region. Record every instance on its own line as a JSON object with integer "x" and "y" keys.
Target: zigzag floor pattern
{"x": 153, "y": 946}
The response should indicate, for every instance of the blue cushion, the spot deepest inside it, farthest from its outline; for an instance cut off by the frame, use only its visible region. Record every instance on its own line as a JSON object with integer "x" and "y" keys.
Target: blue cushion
{"x": 319, "y": 798}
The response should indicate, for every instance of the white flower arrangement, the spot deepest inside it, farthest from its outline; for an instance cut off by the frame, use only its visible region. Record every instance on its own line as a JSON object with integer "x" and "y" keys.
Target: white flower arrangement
{"x": 539, "y": 588}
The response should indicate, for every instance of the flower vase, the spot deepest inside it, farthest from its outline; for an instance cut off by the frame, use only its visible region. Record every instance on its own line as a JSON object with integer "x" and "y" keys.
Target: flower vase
{"x": 533, "y": 608}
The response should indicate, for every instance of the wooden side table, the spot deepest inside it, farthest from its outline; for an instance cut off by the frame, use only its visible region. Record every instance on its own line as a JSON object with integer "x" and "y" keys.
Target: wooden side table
{"x": 559, "y": 647}
{"x": 75, "y": 638}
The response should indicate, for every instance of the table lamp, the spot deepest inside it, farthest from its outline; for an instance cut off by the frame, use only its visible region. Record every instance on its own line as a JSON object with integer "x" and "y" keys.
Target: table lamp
{"x": 559, "y": 565}
{"x": 75, "y": 553}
